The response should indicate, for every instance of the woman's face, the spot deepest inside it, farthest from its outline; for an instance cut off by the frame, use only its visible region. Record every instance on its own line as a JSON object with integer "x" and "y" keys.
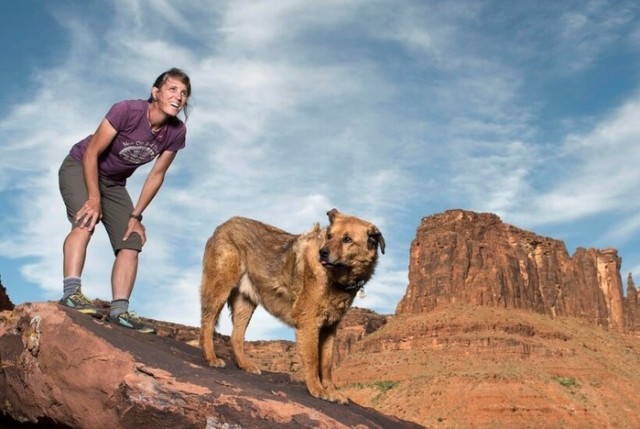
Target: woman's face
{"x": 171, "y": 96}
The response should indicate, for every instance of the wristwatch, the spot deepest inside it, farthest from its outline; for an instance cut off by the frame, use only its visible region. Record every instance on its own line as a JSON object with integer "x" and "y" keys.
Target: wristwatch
{"x": 135, "y": 216}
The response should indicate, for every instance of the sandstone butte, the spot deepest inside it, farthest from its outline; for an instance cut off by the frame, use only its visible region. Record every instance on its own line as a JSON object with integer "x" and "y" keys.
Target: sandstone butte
{"x": 498, "y": 328}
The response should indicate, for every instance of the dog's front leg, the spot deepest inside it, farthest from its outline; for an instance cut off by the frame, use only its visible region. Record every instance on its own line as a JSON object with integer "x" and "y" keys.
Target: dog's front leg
{"x": 307, "y": 340}
{"x": 326, "y": 346}
{"x": 307, "y": 337}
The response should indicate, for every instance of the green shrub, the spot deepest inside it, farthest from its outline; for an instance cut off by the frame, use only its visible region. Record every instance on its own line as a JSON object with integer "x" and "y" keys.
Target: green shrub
{"x": 567, "y": 382}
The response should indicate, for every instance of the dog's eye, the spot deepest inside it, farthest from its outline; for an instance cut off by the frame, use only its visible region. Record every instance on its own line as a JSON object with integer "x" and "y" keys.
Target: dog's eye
{"x": 346, "y": 239}
{"x": 329, "y": 236}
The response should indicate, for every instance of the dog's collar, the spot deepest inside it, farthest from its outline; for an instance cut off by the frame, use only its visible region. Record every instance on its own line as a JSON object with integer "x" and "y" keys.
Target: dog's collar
{"x": 359, "y": 284}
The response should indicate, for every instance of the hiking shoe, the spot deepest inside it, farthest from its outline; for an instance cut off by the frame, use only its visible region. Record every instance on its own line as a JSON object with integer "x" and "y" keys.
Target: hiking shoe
{"x": 79, "y": 302}
{"x": 131, "y": 321}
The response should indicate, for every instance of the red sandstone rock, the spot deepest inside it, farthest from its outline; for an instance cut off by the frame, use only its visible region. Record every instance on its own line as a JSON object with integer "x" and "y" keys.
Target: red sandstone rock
{"x": 5, "y": 302}
{"x": 470, "y": 366}
{"x": 64, "y": 367}
{"x": 632, "y": 307}
{"x": 467, "y": 257}
{"x": 357, "y": 324}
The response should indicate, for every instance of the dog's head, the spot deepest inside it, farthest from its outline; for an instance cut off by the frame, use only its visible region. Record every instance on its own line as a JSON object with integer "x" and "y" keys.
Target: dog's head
{"x": 350, "y": 250}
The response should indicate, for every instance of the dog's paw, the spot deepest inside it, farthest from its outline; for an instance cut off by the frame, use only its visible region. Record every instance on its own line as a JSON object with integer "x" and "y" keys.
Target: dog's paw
{"x": 331, "y": 396}
{"x": 253, "y": 369}
{"x": 335, "y": 396}
{"x": 217, "y": 363}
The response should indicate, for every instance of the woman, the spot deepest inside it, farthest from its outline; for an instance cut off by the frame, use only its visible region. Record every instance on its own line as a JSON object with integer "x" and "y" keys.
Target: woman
{"x": 92, "y": 183}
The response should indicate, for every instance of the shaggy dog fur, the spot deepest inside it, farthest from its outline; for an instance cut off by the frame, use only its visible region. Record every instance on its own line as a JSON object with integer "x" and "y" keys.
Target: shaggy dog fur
{"x": 308, "y": 281}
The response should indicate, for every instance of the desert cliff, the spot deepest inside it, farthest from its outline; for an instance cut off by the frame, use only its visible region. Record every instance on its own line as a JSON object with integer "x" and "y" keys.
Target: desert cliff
{"x": 466, "y": 257}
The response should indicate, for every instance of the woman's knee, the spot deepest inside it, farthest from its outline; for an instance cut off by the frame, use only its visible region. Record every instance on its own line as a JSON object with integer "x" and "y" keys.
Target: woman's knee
{"x": 127, "y": 253}
{"x": 79, "y": 235}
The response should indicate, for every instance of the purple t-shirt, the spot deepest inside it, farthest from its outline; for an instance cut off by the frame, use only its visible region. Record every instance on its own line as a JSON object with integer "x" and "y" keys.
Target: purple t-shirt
{"x": 135, "y": 144}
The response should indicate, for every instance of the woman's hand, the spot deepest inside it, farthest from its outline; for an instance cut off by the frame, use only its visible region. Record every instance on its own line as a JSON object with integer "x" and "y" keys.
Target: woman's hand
{"x": 89, "y": 214}
{"x": 135, "y": 226}
{"x": 91, "y": 211}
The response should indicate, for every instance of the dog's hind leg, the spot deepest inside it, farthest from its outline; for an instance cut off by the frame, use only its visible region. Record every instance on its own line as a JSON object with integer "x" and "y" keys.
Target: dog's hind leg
{"x": 220, "y": 274}
{"x": 242, "y": 308}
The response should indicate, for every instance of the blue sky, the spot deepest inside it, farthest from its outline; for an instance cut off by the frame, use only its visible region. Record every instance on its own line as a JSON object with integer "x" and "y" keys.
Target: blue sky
{"x": 390, "y": 110}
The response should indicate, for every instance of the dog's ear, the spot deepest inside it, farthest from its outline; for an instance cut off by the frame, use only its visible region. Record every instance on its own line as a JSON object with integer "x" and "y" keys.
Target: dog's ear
{"x": 332, "y": 214}
{"x": 377, "y": 239}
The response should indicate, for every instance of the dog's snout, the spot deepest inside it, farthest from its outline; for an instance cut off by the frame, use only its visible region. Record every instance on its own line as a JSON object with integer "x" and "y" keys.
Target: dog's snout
{"x": 324, "y": 253}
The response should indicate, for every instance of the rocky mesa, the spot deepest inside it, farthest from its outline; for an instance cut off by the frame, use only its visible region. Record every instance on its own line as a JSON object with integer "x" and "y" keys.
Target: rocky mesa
{"x": 466, "y": 257}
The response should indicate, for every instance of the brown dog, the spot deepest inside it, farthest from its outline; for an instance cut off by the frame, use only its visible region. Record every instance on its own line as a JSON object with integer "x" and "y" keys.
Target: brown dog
{"x": 308, "y": 281}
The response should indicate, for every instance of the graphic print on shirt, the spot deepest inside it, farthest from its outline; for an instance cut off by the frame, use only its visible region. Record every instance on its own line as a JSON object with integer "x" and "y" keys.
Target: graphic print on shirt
{"x": 138, "y": 152}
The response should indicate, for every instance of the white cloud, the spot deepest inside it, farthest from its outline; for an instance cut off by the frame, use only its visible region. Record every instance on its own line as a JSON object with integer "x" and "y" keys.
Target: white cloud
{"x": 594, "y": 174}
{"x": 586, "y": 32}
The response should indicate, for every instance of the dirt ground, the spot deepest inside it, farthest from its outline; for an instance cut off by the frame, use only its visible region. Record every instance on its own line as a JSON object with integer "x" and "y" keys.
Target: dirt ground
{"x": 483, "y": 367}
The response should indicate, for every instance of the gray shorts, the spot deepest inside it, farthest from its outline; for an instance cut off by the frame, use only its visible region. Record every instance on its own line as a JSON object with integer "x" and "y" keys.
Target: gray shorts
{"x": 116, "y": 204}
